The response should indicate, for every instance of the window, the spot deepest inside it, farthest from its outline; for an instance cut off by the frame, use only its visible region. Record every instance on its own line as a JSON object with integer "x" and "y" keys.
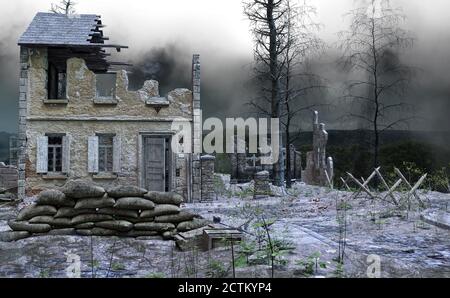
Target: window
{"x": 55, "y": 154}
{"x": 105, "y": 153}
{"x": 56, "y": 81}
{"x": 106, "y": 85}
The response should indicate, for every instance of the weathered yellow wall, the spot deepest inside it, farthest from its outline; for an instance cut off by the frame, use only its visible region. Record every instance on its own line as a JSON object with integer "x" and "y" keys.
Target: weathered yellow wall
{"x": 80, "y": 118}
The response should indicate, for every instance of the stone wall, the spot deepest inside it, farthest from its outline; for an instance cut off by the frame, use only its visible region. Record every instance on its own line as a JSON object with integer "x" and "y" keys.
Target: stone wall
{"x": 262, "y": 185}
{"x": 129, "y": 116}
{"x": 208, "y": 193}
{"x": 8, "y": 177}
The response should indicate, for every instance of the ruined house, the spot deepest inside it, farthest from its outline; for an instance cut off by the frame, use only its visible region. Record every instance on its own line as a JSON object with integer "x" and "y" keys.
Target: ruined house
{"x": 78, "y": 120}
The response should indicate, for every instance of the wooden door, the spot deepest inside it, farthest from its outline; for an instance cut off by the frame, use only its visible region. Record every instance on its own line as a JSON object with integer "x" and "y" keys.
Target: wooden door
{"x": 155, "y": 163}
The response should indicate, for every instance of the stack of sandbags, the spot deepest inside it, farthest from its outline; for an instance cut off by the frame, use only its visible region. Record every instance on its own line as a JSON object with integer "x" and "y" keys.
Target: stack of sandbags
{"x": 82, "y": 208}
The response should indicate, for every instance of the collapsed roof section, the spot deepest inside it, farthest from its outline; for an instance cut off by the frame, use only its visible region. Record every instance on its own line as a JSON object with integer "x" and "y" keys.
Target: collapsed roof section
{"x": 68, "y": 36}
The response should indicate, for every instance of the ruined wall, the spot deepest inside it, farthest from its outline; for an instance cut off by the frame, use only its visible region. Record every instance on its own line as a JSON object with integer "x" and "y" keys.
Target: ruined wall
{"x": 81, "y": 95}
{"x": 8, "y": 177}
{"x": 129, "y": 115}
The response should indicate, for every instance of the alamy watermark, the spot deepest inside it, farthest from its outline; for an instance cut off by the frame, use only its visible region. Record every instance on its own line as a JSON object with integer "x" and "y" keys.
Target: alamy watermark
{"x": 374, "y": 266}
{"x": 236, "y": 135}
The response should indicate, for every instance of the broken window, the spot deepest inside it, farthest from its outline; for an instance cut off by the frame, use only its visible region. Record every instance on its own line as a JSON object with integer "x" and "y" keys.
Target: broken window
{"x": 105, "y": 153}
{"x": 106, "y": 85}
{"x": 55, "y": 154}
{"x": 56, "y": 81}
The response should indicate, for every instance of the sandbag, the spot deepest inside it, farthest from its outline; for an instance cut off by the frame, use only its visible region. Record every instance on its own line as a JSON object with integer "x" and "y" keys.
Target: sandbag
{"x": 176, "y": 218}
{"x": 151, "y": 226}
{"x": 116, "y": 225}
{"x": 196, "y": 223}
{"x": 126, "y": 191}
{"x": 62, "y": 232}
{"x": 29, "y": 227}
{"x": 34, "y": 210}
{"x": 71, "y": 212}
{"x": 11, "y": 236}
{"x": 159, "y": 210}
{"x": 164, "y": 197}
{"x": 81, "y": 190}
{"x": 85, "y": 226}
{"x": 42, "y": 220}
{"x": 93, "y": 203}
{"x": 132, "y": 203}
{"x": 54, "y": 222}
{"x": 135, "y": 234}
{"x": 96, "y": 232}
{"x": 135, "y": 220}
{"x": 168, "y": 235}
{"x": 119, "y": 212}
{"x": 84, "y": 218}
{"x": 55, "y": 198}
{"x": 83, "y": 232}
{"x": 62, "y": 222}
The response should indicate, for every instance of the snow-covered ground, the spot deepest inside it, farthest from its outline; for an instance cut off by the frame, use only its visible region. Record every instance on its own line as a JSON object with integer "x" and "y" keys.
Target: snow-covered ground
{"x": 306, "y": 219}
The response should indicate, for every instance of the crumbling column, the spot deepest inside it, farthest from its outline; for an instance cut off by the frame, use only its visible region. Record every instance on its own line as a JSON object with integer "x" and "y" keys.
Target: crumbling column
{"x": 317, "y": 166}
{"x": 22, "y": 136}
{"x": 196, "y": 130}
{"x": 207, "y": 184}
{"x": 262, "y": 185}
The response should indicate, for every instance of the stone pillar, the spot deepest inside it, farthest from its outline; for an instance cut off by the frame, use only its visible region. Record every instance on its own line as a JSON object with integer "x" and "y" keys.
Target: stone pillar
{"x": 197, "y": 115}
{"x": 316, "y": 163}
{"x": 262, "y": 185}
{"x": 207, "y": 185}
{"x": 22, "y": 136}
{"x": 298, "y": 165}
{"x": 196, "y": 130}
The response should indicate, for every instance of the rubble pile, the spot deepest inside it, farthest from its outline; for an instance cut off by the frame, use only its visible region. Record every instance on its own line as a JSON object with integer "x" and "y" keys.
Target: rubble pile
{"x": 82, "y": 208}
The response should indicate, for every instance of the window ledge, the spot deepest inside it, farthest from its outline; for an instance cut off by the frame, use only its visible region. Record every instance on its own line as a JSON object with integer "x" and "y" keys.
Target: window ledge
{"x": 54, "y": 177}
{"x": 105, "y": 101}
{"x": 56, "y": 101}
{"x": 157, "y": 102}
{"x": 104, "y": 176}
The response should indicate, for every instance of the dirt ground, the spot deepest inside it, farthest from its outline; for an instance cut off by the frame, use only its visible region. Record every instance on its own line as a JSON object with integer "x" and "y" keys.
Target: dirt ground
{"x": 306, "y": 222}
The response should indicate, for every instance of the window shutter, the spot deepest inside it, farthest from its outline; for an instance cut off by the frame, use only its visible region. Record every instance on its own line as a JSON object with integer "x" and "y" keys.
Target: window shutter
{"x": 42, "y": 155}
{"x": 93, "y": 155}
{"x": 117, "y": 154}
{"x": 66, "y": 154}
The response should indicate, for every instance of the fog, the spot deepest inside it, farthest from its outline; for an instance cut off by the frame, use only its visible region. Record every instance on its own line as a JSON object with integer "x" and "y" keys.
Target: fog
{"x": 163, "y": 35}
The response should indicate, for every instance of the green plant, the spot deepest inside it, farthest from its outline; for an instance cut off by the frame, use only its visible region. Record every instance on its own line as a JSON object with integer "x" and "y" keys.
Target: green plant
{"x": 439, "y": 180}
{"x": 216, "y": 269}
{"x": 339, "y": 270}
{"x": 118, "y": 266}
{"x": 311, "y": 264}
{"x": 343, "y": 205}
{"x": 44, "y": 273}
{"x": 155, "y": 275}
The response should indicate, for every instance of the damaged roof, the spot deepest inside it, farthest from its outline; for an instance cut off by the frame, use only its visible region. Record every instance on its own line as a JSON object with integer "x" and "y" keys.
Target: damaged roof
{"x": 59, "y": 30}
{"x": 69, "y": 36}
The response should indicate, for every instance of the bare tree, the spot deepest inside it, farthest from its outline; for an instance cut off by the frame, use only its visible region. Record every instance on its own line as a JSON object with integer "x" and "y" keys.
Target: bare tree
{"x": 371, "y": 49}
{"x": 269, "y": 28}
{"x": 297, "y": 79}
{"x": 64, "y": 7}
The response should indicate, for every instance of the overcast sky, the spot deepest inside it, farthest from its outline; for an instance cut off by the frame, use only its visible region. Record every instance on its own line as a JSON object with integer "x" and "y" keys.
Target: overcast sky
{"x": 218, "y": 30}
